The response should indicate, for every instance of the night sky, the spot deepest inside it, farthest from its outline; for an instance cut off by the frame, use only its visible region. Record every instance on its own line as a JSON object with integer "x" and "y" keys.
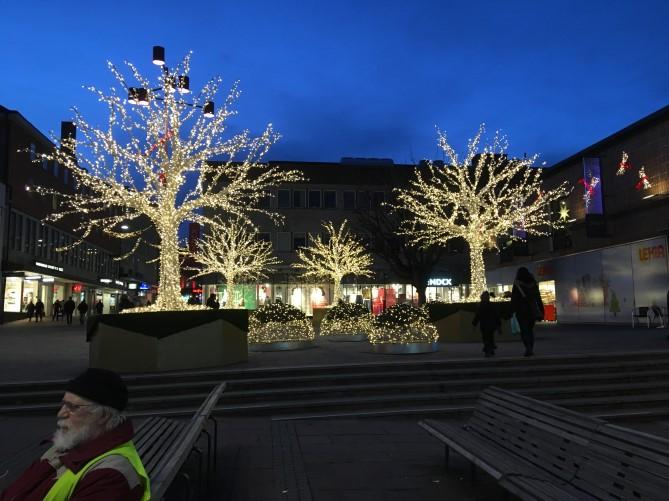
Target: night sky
{"x": 361, "y": 78}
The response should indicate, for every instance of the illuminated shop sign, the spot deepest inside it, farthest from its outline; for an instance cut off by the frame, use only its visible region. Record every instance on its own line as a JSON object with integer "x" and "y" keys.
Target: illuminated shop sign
{"x": 118, "y": 282}
{"x": 132, "y": 286}
{"x": 105, "y": 280}
{"x": 439, "y": 282}
{"x": 143, "y": 286}
{"x": 48, "y": 266}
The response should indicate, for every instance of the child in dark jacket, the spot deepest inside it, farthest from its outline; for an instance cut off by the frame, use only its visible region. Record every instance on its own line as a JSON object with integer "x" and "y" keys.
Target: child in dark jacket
{"x": 489, "y": 321}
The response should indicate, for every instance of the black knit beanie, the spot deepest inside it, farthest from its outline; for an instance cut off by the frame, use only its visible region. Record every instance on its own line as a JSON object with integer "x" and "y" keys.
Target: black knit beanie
{"x": 100, "y": 386}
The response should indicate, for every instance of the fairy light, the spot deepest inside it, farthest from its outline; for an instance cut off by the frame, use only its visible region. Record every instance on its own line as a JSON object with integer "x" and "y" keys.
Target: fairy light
{"x": 479, "y": 200}
{"x": 347, "y": 319}
{"x": 403, "y": 323}
{"x": 341, "y": 255}
{"x": 279, "y": 322}
{"x": 138, "y": 165}
{"x": 624, "y": 165}
{"x": 232, "y": 249}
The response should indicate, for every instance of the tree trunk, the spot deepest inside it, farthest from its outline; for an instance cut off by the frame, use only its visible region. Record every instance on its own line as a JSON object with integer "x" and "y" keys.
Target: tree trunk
{"x": 336, "y": 296}
{"x": 422, "y": 293}
{"x": 476, "y": 271}
{"x": 230, "y": 287}
{"x": 169, "y": 290}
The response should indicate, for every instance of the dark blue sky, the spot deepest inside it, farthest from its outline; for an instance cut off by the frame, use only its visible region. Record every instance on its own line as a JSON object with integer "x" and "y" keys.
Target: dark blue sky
{"x": 361, "y": 78}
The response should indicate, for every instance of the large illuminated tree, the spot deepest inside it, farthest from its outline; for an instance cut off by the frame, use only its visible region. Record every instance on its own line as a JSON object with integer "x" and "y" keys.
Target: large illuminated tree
{"x": 334, "y": 257}
{"x": 232, "y": 249}
{"x": 485, "y": 196}
{"x": 152, "y": 159}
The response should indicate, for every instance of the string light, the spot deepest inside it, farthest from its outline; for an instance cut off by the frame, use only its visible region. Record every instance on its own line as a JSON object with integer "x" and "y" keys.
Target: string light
{"x": 403, "y": 323}
{"x": 347, "y": 319}
{"x": 341, "y": 255}
{"x": 624, "y": 165}
{"x": 138, "y": 166}
{"x": 279, "y": 322}
{"x": 479, "y": 200}
{"x": 232, "y": 249}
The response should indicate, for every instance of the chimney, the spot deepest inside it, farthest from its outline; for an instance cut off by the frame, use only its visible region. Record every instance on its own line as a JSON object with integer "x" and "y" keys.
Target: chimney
{"x": 68, "y": 133}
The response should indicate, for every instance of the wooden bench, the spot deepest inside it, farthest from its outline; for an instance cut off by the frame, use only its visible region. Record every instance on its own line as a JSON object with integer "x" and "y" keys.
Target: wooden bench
{"x": 537, "y": 450}
{"x": 165, "y": 446}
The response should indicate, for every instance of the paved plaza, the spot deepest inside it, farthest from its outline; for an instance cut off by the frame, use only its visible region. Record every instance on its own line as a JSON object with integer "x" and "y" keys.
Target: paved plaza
{"x": 341, "y": 459}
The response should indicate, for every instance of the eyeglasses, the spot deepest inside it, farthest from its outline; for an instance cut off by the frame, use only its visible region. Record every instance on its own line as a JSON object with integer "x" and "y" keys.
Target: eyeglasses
{"x": 72, "y": 408}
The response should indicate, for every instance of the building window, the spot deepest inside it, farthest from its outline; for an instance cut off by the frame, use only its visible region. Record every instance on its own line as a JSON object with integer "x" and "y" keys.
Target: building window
{"x": 299, "y": 240}
{"x": 283, "y": 199}
{"x": 45, "y": 164}
{"x": 19, "y": 233}
{"x": 363, "y": 200}
{"x": 33, "y": 151}
{"x": 349, "y": 200}
{"x": 283, "y": 241}
{"x": 56, "y": 169}
{"x": 329, "y": 199}
{"x": 264, "y": 202}
{"x": 66, "y": 173}
{"x": 314, "y": 199}
{"x": 12, "y": 230}
{"x": 264, "y": 237}
{"x": 378, "y": 197}
{"x": 299, "y": 199}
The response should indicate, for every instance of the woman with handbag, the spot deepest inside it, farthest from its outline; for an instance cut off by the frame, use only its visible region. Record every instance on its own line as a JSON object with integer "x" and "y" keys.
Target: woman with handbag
{"x": 527, "y": 305}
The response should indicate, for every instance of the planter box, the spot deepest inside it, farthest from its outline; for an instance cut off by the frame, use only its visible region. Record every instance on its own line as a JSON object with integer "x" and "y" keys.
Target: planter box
{"x": 405, "y": 348}
{"x": 170, "y": 340}
{"x": 318, "y": 316}
{"x": 454, "y": 322}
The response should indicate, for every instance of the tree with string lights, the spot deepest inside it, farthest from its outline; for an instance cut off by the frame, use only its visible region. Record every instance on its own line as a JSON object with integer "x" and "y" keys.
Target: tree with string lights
{"x": 152, "y": 160}
{"x": 232, "y": 248}
{"x": 334, "y": 257}
{"x": 481, "y": 198}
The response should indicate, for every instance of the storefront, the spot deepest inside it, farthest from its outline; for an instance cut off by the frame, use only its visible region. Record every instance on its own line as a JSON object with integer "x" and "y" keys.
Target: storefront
{"x": 599, "y": 286}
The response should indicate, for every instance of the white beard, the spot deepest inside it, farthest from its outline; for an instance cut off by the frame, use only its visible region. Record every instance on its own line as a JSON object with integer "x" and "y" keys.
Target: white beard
{"x": 66, "y": 438}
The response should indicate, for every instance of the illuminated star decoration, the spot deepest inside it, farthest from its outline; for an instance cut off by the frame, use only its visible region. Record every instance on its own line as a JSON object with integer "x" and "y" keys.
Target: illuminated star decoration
{"x": 624, "y": 165}
{"x": 643, "y": 182}
{"x": 564, "y": 211}
{"x": 589, "y": 188}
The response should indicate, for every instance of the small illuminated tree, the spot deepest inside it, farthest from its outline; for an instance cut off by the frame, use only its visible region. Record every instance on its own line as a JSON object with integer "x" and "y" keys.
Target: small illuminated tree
{"x": 486, "y": 196}
{"x": 153, "y": 159}
{"x": 232, "y": 249}
{"x": 340, "y": 255}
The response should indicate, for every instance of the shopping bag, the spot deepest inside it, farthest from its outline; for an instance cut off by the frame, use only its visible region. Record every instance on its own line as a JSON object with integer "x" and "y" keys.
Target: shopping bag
{"x": 515, "y": 326}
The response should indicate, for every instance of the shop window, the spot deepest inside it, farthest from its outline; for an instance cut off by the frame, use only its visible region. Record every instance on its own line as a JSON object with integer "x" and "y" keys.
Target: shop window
{"x": 329, "y": 199}
{"x": 349, "y": 199}
{"x": 314, "y": 199}
{"x": 283, "y": 241}
{"x": 299, "y": 240}
{"x": 299, "y": 199}
{"x": 283, "y": 199}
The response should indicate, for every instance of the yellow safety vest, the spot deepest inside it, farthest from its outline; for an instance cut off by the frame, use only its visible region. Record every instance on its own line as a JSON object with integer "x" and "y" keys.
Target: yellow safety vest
{"x": 65, "y": 485}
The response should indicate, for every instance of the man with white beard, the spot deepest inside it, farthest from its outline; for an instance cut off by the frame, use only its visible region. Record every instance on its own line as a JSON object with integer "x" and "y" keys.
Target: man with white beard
{"x": 92, "y": 457}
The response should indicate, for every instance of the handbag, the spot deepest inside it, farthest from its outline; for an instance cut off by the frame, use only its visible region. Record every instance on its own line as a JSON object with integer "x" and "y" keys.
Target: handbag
{"x": 515, "y": 326}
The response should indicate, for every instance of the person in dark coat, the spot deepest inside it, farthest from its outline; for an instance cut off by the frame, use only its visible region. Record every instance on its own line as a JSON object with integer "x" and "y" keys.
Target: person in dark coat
{"x": 39, "y": 310}
{"x": 57, "y": 310}
{"x": 82, "y": 308}
{"x": 527, "y": 305}
{"x": 212, "y": 302}
{"x": 68, "y": 308}
{"x": 488, "y": 320}
{"x": 30, "y": 310}
{"x": 99, "y": 307}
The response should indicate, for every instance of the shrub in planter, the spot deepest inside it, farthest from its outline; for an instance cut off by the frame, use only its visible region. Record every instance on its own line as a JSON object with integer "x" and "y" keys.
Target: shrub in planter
{"x": 279, "y": 322}
{"x": 347, "y": 319}
{"x": 402, "y": 324}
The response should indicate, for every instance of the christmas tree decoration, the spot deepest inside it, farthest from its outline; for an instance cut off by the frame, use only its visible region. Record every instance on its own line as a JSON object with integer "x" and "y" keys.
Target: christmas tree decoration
{"x": 624, "y": 165}
{"x": 643, "y": 182}
{"x": 590, "y": 187}
{"x": 279, "y": 323}
{"x": 337, "y": 256}
{"x": 478, "y": 199}
{"x": 232, "y": 248}
{"x": 152, "y": 161}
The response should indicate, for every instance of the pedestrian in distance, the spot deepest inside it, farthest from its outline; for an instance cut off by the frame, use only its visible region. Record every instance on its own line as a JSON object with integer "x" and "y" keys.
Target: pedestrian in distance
{"x": 99, "y": 307}
{"x": 212, "y": 302}
{"x": 68, "y": 308}
{"x": 92, "y": 456}
{"x": 527, "y": 305}
{"x": 30, "y": 310}
{"x": 57, "y": 310}
{"x": 82, "y": 309}
{"x": 39, "y": 310}
{"x": 488, "y": 320}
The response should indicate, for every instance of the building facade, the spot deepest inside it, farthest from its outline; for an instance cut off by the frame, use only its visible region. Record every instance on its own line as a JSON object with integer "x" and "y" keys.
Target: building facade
{"x": 611, "y": 256}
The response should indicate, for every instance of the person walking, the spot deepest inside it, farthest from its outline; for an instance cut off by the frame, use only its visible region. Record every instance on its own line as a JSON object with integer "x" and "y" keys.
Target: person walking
{"x": 30, "y": 310}
{"x": 99, "y": 307}
{"x": 68, "y": 308}
{"x": 57, "y": 310}
{"x": 212, "y": 302}
{"x": 83, "y": 309}
{"x": 39, "y": 310}
{"x": 527, "y": 305}
{"x": 488, "y": 320}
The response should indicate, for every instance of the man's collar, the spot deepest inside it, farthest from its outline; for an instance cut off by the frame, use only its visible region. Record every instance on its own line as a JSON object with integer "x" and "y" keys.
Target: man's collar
{"x": 76, "y": 458}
